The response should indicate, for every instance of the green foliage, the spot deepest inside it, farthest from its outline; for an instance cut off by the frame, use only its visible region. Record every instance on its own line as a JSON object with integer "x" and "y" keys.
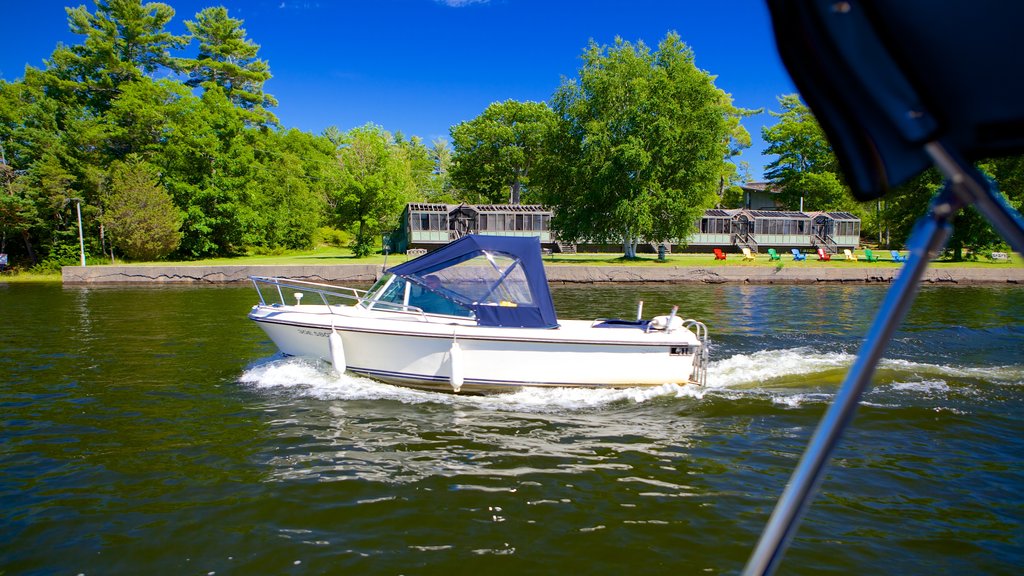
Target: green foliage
{"x": 732, "y": 197}
{"x": 441, "y": 189}
{"x": 227, "y": 59}
{"x": 236, "y": 181}
{"x": 60, "y": 255}
{"x": 376, "y": 183}
{"x": 972, "y": 234}
{"x": 495, "y": 151}
{"x": 806, "y": 167}
{"x": 328, "y": 236}
{"x": 639, "y": 147}
{"x": 139, "y": 215}
{"x": 124, "y": 40}
{"x": 422, "y": 167}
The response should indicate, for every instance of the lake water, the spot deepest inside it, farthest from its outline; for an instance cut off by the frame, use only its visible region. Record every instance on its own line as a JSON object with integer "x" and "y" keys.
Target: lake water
{"x": 155, "y": 431}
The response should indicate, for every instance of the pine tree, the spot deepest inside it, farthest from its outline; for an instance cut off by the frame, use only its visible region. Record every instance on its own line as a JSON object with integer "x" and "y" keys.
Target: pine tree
{"x": 140, "y": 216}
{"x": 227, "y": 59}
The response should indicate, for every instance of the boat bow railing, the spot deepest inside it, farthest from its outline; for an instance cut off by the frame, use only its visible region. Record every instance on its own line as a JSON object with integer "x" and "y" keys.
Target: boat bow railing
{"x": 327, "y": 292}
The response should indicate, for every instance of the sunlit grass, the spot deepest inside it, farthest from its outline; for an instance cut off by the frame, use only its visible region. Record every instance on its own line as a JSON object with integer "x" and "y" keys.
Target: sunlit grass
{"x": 329, "y": 255}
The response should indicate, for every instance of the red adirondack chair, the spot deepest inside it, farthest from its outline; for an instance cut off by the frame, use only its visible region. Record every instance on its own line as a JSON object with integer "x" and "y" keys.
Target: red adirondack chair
{"x": 823, "y": 256}
{"x": 719, "y": 255}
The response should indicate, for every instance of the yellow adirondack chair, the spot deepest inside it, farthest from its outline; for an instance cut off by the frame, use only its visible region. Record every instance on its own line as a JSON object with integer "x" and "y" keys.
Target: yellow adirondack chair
{"x": 747, "y": 255}
{"x": 850, "y": 256}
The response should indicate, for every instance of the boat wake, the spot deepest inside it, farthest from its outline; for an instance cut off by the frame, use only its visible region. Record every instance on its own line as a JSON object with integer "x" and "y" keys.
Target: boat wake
{"x": 316, "y": 379}
{"x": 788, "y": 377}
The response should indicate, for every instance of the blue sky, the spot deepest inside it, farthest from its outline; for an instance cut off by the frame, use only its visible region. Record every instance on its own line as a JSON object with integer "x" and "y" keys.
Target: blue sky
{"x": 422, "y": 66}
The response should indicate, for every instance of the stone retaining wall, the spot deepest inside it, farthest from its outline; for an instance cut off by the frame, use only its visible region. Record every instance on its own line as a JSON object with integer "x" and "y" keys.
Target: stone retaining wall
{"x": 789, "y": 274}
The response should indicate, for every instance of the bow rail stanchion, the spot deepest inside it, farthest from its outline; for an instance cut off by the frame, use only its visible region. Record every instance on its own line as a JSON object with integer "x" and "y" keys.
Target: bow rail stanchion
{"x": 964, "y": 186}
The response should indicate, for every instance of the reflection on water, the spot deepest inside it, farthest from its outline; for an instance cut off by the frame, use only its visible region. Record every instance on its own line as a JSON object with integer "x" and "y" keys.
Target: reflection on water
{"x": 155, "y": 429}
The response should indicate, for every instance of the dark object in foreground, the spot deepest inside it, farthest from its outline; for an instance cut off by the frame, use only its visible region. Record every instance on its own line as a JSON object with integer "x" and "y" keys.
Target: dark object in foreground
{"x": 899, "y": 87}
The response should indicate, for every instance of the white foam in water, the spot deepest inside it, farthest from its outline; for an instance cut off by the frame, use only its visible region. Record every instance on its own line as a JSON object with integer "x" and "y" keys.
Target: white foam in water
{"x": 738, "y": 376}
{"x": 318, "y": 380}
{"x": 797, "y": 400}
{"x": 928, "y": 387}
{"x": 772, "y": 364}
{"x": 1013, "y": 375}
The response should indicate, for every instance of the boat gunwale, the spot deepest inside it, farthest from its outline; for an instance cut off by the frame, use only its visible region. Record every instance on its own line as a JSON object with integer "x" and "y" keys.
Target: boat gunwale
{"x": 695, "y": 345}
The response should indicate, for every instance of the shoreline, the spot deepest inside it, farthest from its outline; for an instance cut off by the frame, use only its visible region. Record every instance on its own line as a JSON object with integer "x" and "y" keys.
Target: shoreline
{"x": 567, "y": 274}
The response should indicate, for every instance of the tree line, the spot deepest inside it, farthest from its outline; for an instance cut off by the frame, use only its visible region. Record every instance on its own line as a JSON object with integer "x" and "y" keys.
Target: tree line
{"x": 180, "y": 156}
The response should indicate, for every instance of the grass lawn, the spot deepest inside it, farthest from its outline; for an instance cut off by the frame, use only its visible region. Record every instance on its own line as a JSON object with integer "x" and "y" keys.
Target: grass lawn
{"x": 327, "y": 255}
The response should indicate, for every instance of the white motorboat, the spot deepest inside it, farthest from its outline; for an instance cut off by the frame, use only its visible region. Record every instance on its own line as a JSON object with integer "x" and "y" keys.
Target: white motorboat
{"x": 474, "y": 316}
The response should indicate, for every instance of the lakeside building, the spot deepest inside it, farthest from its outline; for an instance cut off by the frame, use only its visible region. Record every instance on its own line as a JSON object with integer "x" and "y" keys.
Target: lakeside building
{"x": 433, "y": 225}
{"x": 760, "y": 196}
{"x": 428, "y": 226}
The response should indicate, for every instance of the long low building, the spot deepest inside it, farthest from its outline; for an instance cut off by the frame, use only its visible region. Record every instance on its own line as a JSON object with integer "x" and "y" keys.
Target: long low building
{"x": 432, "y": 225}
{"x": 762, "y": 229}
{"x": 427, "y": 226}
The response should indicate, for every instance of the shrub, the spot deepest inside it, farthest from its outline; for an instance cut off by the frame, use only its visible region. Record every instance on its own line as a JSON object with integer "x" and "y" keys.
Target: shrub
{"x": 60, "y": 255}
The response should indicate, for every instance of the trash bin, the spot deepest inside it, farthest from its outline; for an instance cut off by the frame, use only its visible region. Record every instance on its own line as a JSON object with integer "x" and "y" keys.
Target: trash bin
{"x": 661, "y": 252}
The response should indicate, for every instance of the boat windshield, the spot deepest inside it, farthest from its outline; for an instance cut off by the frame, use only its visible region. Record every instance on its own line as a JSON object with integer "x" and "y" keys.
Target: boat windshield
{"x": 490, "y": 278}
{"x": 399, "y": 293}
{"x": 501, "y": 279}
{"x": 389, "y": 288}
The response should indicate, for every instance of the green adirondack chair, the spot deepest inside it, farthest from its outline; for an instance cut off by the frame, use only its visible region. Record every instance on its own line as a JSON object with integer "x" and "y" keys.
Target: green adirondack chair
{"x": 869, "y": 256}
{"x": 773, "y": 254}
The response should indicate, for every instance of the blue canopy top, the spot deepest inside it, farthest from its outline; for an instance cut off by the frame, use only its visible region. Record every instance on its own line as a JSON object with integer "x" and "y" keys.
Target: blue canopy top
{"x": 501, "y": 279}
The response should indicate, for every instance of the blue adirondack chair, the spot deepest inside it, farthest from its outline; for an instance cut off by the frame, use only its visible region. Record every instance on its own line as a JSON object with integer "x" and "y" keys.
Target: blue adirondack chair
{"x": 897, "y": 257}
{"x": 798, "y": 255}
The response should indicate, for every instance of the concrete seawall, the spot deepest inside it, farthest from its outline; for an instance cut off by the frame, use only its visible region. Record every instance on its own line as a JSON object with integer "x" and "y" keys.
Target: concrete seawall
{"x": 787, "y": 274}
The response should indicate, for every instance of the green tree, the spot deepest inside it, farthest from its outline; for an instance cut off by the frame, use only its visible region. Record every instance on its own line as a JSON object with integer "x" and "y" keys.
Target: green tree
{"x": 124, "y": 40}
{"x": 292, "y": 177}
{"x": 143, "y": 116}
{"x": 238, "y": 183}
{"x": 227, "y": 59}
{"x": 639, "y": 146}
{"x": 971, "y": 231}
{"x": 376, "y": 184}
{"x": 806, "y": 167}
{"x": 140, "y": 217}
{"x": 441, "y": 189}
{"x": 18, "y": 211}
{"x": 495, "y": 151}
{"x": 421, "y": 167}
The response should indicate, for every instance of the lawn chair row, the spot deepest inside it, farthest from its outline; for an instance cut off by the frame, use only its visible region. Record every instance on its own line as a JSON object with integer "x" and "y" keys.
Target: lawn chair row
{"x": 823, "y": 256}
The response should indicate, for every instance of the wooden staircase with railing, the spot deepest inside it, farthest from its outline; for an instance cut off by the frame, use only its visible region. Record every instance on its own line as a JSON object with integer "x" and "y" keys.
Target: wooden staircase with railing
{"x": 745, "y": 242}
{"x": 565, "y": 247}
{"x": 825, "y": 242}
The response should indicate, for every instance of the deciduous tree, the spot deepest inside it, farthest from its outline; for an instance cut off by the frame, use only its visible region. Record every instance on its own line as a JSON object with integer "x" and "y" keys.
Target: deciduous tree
{"x": 376, "y": 184}
{"x": 639, "y": 146}
{"x": 495, "y": 152}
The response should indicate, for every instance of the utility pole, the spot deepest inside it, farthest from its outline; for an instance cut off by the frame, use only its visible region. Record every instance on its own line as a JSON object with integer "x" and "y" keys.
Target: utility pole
{"x": 81, "y": 240}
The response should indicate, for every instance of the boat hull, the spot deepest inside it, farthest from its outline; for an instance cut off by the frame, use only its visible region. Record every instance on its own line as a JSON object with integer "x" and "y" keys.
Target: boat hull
{"x": 412, "y": 350}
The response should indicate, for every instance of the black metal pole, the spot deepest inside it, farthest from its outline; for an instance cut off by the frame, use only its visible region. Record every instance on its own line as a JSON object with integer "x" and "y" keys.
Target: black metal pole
{"x": 964, "y": 186}
{"x": 930, "y": 235}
